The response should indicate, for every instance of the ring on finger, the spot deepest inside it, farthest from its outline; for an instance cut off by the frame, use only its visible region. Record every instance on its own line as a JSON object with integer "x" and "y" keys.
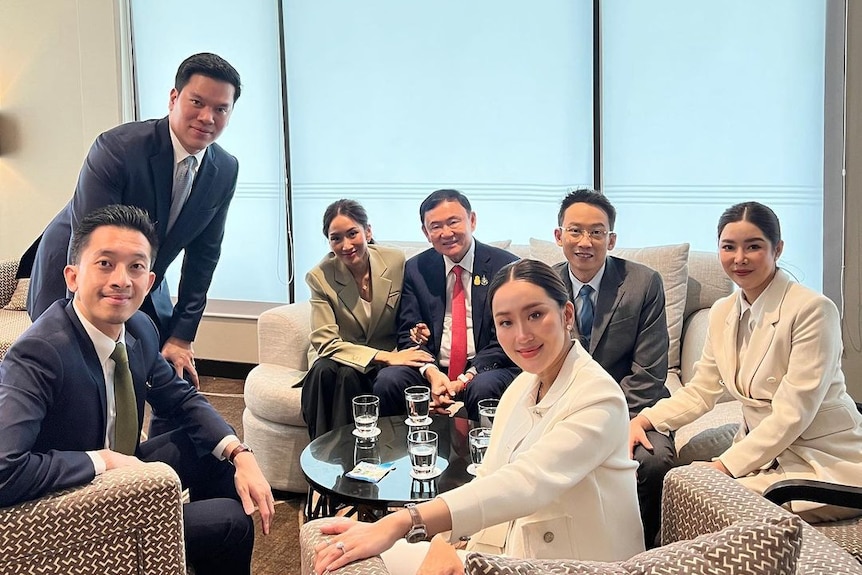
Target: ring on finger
{"x": 340, "y": 547}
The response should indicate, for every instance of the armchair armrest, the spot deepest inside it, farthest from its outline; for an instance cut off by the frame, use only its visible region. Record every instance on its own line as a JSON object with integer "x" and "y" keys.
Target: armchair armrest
{"x": 8, "y": 269}
{"x": 824, "y": 492}
{"x": 282, "y": 335}
{"x": 126, "y": 520}
{"x": 310, "y": 535}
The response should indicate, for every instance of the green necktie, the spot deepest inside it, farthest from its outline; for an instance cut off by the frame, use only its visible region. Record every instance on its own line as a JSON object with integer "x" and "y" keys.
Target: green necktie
{"x": 126, "y": 423}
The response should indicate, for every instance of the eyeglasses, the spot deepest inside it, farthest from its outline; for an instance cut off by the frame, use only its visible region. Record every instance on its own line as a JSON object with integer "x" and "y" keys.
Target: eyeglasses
{"x": 578, "y": 233}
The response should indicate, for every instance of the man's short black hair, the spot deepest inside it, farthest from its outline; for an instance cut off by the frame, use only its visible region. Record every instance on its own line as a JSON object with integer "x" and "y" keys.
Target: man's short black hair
{"x": 438, "y": 197}
{"x": 117, "y": 215}
{"x": 588, "y": 196}
{"x": 211, "y": 66}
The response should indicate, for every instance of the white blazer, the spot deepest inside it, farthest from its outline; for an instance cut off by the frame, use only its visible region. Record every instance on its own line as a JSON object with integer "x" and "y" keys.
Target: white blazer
{"x": 799, "y": 421}
{"x": 557, "y": 481}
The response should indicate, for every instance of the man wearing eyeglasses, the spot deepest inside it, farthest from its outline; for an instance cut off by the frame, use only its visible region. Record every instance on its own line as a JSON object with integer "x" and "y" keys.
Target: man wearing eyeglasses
{"x": 621, "y": 321}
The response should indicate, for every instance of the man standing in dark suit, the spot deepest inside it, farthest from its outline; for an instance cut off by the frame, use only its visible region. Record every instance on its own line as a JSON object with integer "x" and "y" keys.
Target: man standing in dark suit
{"x": 72, "y": 392}
{"x": 621, "y": 316}
{"x": 173, "y": 169}
{"x": 470, "y": 363}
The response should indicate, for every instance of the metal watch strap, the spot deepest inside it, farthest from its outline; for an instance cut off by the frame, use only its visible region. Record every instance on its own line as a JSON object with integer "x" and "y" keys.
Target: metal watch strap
{"x": 417, "y": 531}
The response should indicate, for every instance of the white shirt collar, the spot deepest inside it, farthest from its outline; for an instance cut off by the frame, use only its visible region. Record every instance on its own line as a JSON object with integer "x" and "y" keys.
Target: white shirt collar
{"x": 466, "y": 262}
{"x": 593, "y": 283}
{"x": 180, "y": 152}
{"x": 104, "y": 345}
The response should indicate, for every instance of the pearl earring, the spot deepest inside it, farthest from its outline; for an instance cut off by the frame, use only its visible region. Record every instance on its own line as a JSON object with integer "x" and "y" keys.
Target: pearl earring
{"x": 568, "y": 328}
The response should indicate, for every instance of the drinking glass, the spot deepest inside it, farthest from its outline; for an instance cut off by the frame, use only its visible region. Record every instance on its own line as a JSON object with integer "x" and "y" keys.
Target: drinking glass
{"x": 479, "y": 438}
{"x": 487, "y": 411}
{"x": 422, "y": 447}
{"x": 418, "y": 398}
{"x": 366, "y": 449}
{"x": 366, "y": 409}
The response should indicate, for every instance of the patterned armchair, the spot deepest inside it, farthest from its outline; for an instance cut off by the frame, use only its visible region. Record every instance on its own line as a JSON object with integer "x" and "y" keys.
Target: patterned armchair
{"x": 13, "y": 300}
{"x": 126, "y": 521}
{"x": 710, "y": 524}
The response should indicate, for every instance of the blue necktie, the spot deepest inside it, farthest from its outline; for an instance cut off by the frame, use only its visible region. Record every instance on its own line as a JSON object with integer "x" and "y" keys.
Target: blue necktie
{"x": 585, "y": 316}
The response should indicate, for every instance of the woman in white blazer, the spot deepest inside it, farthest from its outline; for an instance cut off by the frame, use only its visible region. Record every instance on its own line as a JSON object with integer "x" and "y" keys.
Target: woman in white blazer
{"x": 556, "y": 481}
{"x": 774, "y": 346}
{"x": 355, "y": 291}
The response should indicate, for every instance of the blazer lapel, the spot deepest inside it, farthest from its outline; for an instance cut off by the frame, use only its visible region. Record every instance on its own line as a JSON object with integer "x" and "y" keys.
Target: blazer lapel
{"x": 611, "y": 291}
{"x": 94, "y": 367}
{"x": 348, "y": 295}
{"x": 731, "y": 353}
{"x": 139, "y": 374}
{"x": 479, "y": 290}
{"x": 436, "y": 278}
{"x": 763, "y": 334}
{"x": 381, "y": 287}
{"x": 162, "y": 173}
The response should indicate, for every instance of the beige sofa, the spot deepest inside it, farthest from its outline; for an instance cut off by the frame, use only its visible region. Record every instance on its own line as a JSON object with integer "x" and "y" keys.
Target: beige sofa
{"x": 272, "y": 420}
{"x": 13, "y": 301}
{"x": 710, "y": 524}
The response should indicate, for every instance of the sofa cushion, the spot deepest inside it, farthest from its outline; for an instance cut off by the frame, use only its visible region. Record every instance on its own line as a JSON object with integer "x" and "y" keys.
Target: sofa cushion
{"x": 18, "y": 301}
{"x": 671, "y": 262}
{"x": 748, "y": 547}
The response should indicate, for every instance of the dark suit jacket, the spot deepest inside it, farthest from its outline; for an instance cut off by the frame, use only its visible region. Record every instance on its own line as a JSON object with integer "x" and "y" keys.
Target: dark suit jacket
{"x": 133, "y": 164}
{"x": 424, "y": 300}
{"x": 53, "y": 404}
{"x": 629, "y": 336}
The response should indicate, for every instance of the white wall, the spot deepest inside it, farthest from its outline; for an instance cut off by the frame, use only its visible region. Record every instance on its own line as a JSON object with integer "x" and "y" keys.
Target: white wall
{"x": 60, "y": 87}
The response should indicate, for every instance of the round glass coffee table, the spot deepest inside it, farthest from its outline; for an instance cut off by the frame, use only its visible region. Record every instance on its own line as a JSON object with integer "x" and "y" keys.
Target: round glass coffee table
{"x": 327, "y": 459}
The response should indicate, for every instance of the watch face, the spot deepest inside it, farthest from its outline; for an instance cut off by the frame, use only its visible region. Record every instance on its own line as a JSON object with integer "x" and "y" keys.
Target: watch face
{"x": 416, "y": 534}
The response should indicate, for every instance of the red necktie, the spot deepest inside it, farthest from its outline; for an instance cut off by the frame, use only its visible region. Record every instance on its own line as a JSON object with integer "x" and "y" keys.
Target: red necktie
{"x": 458, "y": 351}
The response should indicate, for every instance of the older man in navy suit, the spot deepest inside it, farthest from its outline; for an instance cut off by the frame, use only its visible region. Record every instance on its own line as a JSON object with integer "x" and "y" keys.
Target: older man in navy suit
{"x": 173, "y": 169}
{"x": 444, "y": 304}
{"x": 72, "y": 393}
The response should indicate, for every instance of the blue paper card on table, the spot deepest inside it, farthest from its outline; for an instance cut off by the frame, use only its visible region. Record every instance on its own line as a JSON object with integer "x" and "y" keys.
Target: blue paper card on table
{"x": 371, "y": 472}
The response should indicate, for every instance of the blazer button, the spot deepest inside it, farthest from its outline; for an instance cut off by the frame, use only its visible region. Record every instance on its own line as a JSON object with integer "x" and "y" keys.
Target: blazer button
{"x": 548, "y": 537}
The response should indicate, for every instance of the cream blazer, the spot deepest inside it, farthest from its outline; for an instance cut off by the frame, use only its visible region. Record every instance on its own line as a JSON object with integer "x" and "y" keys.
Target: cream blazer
{"x": 557, "y": 481}
{"x": 340, "y": 327}
{"x": 799, "y": 421}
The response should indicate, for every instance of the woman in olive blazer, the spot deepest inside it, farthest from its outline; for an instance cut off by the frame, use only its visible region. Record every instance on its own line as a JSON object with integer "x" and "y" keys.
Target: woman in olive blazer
{"x": 774, "y": 346}
{"x": 355, "y": 291}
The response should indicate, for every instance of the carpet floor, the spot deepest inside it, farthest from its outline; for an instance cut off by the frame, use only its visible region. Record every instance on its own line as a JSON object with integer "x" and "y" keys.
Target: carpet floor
{"x": 278, "y": 552}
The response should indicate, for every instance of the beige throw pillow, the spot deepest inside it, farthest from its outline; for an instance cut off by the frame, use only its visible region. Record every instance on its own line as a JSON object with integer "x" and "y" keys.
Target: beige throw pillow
{"x": 413, "y": 248}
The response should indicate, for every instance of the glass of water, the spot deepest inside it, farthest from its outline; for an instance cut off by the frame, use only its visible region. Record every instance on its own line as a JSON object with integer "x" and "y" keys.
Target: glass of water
{"x": 487, "y": 411}
{"x": 479, "y": 438}
{"x": 422, "y": 447}
{"x": 418, "y": 398}
{"x": 366, "y": 409}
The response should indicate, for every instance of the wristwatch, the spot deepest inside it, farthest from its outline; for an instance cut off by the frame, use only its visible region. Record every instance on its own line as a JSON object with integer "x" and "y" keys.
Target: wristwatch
{"x": 242, "y": 447}
{"x": 417, "y": 531}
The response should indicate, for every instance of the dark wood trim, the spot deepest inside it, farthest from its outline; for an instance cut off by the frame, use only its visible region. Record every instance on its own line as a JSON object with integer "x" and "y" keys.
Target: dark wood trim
{"x": 228, "y": 369}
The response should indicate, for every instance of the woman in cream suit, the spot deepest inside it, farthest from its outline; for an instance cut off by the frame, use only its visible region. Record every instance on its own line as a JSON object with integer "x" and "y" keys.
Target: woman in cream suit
{"x": 355, "y": 292}
{"x": 775, "y": 346}
{"x": 556, "y": 481}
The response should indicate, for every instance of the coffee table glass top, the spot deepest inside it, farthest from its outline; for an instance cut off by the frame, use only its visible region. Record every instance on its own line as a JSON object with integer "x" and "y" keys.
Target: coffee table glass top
{"x": 326, "y": 459}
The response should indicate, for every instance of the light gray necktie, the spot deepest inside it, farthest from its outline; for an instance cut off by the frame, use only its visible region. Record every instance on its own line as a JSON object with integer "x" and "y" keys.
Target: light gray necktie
{"x": 182, "y": 187}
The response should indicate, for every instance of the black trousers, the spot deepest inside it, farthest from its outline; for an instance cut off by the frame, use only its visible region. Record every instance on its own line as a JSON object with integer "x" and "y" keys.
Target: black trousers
{"x": 652, "y": 467}
{"x": 219, "y": 535}
{"x": 328, "y": 390}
